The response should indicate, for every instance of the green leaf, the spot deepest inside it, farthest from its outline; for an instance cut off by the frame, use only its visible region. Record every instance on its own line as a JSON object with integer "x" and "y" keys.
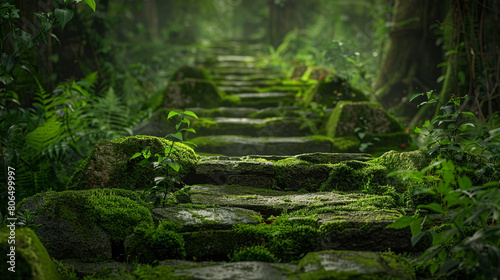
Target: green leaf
{"x": 177, "y": 136}
{"x": 432, "y": 206}
{"x": 136, "y": 155}
{"x": 415, "y": 96}
{"x": 361, "y": 135}
{"x": 171, "y": 114}
{"x": 418, "y": 130}
{"x": 91, "y": 4}
{"x": 464, "y": 182}
{"x": 63, "y": 16}
{"x": 416, "y": 226}
{"x": 44, "y": 135}
{"x": 177, "y": 126}
{"x": 426, "y": 124}
{"x": 175, "y": 166}
{"x": 416, "y": 238}
{"x": 402, "y": 222}
{"x": 189, "y": 129}
{"x": 189, "y": 113}
{"x": 190, "y": 144}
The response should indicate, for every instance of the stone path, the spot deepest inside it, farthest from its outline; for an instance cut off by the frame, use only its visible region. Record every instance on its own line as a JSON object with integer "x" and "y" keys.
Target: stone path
{"x": 266, "y": 194}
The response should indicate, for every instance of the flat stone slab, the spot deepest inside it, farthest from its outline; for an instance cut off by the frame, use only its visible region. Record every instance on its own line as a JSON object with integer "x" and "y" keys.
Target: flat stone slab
{"x": 228, "y": 112}
{"x": 362, "y": 231}
{"x": 241, "y": 146}
{"x": 269, "y": 127}
{"x": 352, "y": 265}
{"x": 240, "y": 58}
{"x": 266, "y": 99}
{"x": 233, "y": 172}
{"x": 209, "y": 218}
{"x": 267, "y": 201}
{"x": 238, "y": 271}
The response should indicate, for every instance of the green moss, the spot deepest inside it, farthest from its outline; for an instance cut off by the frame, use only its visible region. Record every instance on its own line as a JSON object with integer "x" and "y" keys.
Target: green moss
{"x": 348, "y": 144}
{"x": 190, "y": 72}
{"x": 109, "y": 164}
{"x": 295, "y": 174}
{"x": 209, "y": 244}
{"x": 285, "y": 242}
{"x": 31, "y": 258}
{"x": 355, "y": 175}
{"x": 149, "y": 244}
{"x": 117, "y": 212}
{"x": 332, "y": 89}
{"x": 196, "y": 93}
{"x": 254, "y": 253}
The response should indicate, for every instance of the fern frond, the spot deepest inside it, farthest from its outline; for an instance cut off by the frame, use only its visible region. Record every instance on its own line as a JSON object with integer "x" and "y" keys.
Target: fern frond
{"x": 44, "y": 135}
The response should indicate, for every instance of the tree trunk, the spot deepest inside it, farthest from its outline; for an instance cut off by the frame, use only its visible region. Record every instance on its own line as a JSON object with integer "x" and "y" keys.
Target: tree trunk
{"x": 410, "y": 62}
{"x": 284, "y": 16}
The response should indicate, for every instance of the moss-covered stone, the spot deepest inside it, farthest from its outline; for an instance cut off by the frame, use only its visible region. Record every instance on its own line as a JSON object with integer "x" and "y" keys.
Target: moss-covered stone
{"x": 295, "y": 174}
{"x": 332, "y": 89}
{"x": 149, "y": 244}
{"x": 346, "y": 117}
{"x": 209, "y": 245}
{"x": 285, "y": 242}
{"x": 84, "y": 224}
{"x": 355, "y": 176}
{"x": 30, "y": 260}
{"x": 254, "y": 253}
{"x": 353, "y": 265}
{"x": 109, "y": 164}
{"x": 190, "y": 72}
{"x": 196, "y": 93}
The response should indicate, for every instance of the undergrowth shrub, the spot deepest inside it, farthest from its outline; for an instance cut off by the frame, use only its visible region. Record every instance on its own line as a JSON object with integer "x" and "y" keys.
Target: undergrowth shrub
{"x": 254, "y": 253}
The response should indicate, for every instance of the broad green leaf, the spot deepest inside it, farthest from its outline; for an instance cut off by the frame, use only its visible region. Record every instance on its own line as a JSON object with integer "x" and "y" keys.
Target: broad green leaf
{"x": 147, "y": 154}
{"x": 136, "y": 155}
{"x": 189, "y": 113}
{"x": 175, "y": 166}
{"x": 418, "y": 130}
{"x": 91, "y": 4}
{"x": 171, "y": 114}
{"x": 169, "y": 150}
{"x": 402, "y": 222}
{"x": 189, "y": 129}
{"x": 416, "y": 226}
{"x": 416, "y": 238}
{"x": 464, "y": 182}
{"x": 190, "y": 144}
{"x": 426, "y": 124}
{"x": 177, "y": 136}
{"x": 432, "y": 206}
{"x": 415, "y": 96}
{"x": 177, "y": 126}
{"x": 442, "y": 255}
{"x": 63, "y": 16}
{"x": 361, "y": 135}
{"x": 186, "y": 121}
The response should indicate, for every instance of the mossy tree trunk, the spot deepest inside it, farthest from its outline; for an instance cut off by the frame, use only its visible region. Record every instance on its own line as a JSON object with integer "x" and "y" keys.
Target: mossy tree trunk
{"x": 284, "y": 16}
{"x": 410, "y": 63}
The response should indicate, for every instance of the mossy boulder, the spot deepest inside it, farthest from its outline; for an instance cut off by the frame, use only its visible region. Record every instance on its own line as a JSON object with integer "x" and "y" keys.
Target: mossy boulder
{"x": 354, "y": 176}
{"x": 354, "y": 265}
{"x": 109, "y": 164}
{"x": 366, "y": 122}
{"x": 190, "y": 72}
{"x": 31, "y": 260}
{"x": 332, "y": 89}
{"x": 196, "y": 93}
{"x": 85, "y": 224}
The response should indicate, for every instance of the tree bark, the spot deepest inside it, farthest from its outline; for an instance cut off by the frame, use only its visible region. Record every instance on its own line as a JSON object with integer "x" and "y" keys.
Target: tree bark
{"x": 410, "y": 63}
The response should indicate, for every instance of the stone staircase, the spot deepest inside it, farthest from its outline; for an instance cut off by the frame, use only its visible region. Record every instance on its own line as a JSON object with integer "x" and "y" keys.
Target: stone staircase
{"x": 262, "y": 182}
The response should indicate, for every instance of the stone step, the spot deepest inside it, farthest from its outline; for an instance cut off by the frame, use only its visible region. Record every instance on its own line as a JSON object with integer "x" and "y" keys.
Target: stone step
{"x": 258, "y": 83}
{"x": 266, "y": 99}
{"x": 269, "y": 127}
{"x": 235, "y": 58}
{"x": 228, "y": 112}
{"x": 238, "y": 71}
{"x": 254, "y": 77}
{"x": 241, "y": 146}
{"x": 304, "y": 171}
